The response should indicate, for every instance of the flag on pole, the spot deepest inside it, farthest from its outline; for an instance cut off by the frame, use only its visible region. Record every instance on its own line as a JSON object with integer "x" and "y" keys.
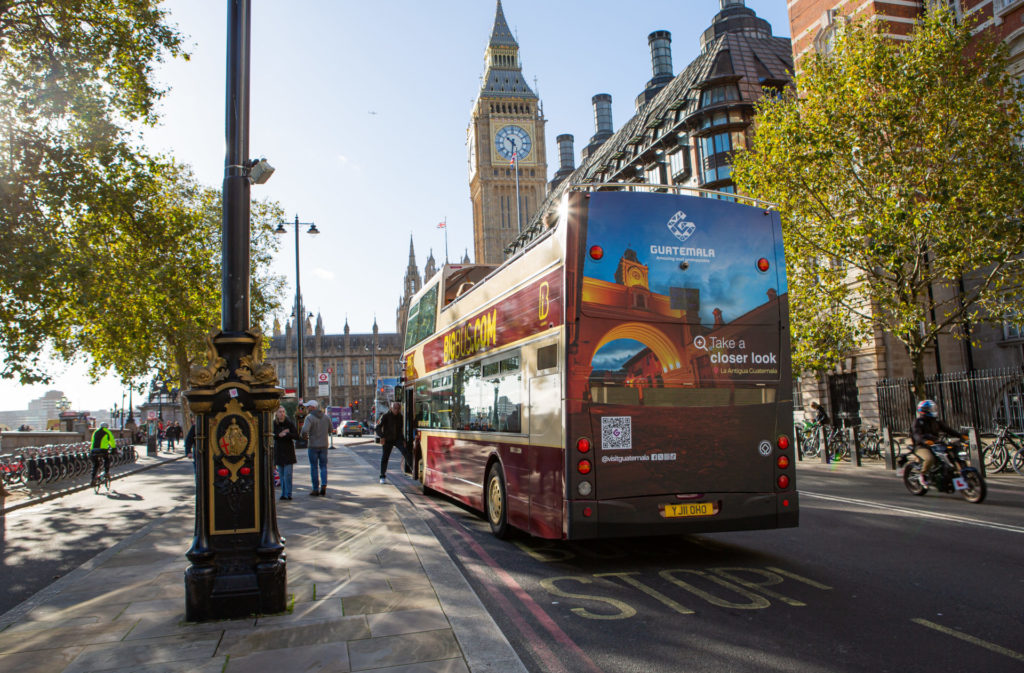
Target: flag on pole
{"x": 512, "y": 161}
{"x": 442, "y": 225}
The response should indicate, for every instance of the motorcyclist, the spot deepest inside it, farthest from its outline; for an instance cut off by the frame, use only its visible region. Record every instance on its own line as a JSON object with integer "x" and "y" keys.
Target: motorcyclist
{"x": 925, "y": 432}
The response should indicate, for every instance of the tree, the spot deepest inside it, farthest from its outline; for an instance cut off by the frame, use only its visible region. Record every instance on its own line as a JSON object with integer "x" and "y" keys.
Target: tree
{"x": 899, "y": 173}
{"x": 150, "y": 294}
{"x": 74, "y": 74}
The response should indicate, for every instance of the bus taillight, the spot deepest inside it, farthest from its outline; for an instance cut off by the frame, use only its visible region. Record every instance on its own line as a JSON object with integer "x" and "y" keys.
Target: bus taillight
{"x": 583, "y": 445}
{"x": 782, "y": 462}
{"x": 783, "y": 481}
{"x": 762, "y": 265}
{"x": 596, "y": 252}
{"x": 782, "y": 442}
{"x": 583, "y": 467}
{"x": 585, "y": 488}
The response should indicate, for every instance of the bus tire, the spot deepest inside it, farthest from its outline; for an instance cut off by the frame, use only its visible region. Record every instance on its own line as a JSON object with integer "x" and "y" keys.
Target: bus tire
{"x": 496, "y": 502}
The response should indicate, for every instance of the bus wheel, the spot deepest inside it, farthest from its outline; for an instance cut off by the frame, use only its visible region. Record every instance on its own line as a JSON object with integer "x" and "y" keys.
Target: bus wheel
{"x": 495, "y": 502}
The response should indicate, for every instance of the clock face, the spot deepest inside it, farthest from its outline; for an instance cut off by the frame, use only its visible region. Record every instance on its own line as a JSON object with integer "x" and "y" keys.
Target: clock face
{"x": 513, "y": 139}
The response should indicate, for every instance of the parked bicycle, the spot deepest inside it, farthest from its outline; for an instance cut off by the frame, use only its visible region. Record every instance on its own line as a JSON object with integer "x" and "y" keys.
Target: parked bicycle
{"x": 870, "y": 440}
{"x": 1004, "y": 451}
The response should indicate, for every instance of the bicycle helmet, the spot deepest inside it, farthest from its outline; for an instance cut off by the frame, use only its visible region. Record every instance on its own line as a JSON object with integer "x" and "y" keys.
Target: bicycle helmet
{"x": 926, "y": 407}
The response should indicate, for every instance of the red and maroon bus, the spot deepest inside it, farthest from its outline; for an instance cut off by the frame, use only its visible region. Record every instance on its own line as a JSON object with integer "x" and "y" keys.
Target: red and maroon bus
{"x": 626, "y": 373}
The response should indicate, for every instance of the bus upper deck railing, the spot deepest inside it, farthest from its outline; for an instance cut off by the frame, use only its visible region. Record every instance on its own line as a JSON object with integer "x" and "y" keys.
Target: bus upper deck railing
{"x": 652, "y": 188}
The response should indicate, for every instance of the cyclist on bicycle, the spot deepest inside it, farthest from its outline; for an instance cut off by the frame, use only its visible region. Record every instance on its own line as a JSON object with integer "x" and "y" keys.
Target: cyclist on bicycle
{"x": 102, "y": 443}
{"x": 925, "y": 432}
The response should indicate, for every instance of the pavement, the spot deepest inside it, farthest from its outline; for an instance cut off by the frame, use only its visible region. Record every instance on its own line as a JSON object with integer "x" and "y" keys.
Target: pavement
{"x": 370, "y": 589}
{"x": 17, "y": 497}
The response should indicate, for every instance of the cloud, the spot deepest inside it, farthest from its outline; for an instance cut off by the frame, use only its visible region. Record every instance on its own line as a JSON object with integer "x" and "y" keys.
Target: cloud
{"x": 323, "y": 274}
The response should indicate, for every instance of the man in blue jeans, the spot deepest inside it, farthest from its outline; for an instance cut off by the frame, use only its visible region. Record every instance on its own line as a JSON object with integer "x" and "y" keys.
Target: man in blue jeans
{"x": 317, "y": 429}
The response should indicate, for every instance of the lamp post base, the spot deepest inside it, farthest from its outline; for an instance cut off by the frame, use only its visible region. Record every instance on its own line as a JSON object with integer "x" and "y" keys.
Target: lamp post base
{"x": 237, "y": 556}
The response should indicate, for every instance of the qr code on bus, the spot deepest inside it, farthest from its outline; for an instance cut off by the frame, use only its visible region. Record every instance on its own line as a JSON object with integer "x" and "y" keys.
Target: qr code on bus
{"x": 616, "y": 432}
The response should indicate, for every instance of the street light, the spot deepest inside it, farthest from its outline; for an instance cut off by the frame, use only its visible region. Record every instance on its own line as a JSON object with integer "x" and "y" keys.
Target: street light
{"x": 160, "y": 387}
{"x": 299, "y": 319}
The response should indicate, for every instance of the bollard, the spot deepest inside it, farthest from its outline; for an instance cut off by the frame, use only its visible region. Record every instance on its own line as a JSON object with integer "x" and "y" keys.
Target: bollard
{"x": 974, "y": 451}
{"x": 823, "y": 438}
{"x": 854, "y": 439}
{"x": 890, "y": 450}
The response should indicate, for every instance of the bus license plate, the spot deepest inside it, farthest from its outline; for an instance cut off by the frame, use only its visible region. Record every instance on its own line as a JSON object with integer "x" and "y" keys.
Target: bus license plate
{"x": 690, "y": 509}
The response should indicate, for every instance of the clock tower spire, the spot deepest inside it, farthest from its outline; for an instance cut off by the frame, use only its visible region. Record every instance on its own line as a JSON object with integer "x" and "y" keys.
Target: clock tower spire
{"x": 506, "y": 120}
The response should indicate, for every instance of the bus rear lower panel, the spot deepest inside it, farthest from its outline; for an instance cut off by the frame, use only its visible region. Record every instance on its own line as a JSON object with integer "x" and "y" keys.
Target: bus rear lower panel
{"x": 641, "y": 516}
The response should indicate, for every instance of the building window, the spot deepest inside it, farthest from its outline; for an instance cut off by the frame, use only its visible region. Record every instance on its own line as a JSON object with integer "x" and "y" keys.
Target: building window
{"x": 1011, "y": 331}
{"x": 677, "y": 162}
{"x": 355, "y": 379}
{"x": 719, "y": 94}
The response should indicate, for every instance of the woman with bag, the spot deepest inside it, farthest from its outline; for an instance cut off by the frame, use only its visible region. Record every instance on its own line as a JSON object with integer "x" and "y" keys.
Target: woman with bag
{"x": 285, "y": 435}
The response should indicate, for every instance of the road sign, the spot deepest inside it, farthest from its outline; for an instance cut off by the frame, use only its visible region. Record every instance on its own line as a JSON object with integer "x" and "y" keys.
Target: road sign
{"x": 324, "y": 389}
{"x": 323, "y": 378}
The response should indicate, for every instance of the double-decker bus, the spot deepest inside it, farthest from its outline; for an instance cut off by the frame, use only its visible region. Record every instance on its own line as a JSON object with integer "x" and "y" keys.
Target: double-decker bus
{"x": 627, "y": 372}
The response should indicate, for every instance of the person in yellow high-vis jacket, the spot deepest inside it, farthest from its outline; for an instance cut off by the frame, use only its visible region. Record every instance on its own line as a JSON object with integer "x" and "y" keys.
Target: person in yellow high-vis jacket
{"x": 102, "y": 444}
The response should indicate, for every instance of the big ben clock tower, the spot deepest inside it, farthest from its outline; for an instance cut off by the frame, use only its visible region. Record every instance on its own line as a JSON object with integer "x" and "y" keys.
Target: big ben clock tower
{"x": 506, "y": 128}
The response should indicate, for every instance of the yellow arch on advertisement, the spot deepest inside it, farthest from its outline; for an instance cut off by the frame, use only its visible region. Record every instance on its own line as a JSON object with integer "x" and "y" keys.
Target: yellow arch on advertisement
{"x": 648, "y": 335}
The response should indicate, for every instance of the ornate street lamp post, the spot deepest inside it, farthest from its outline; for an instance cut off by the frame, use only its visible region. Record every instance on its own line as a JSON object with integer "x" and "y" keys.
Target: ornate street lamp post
{"x": 237, "y": 562}
{"x": 300, "y": 319}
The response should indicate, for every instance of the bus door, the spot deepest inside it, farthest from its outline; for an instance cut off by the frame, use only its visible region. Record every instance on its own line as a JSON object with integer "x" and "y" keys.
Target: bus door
{"x": 546, "y": 458}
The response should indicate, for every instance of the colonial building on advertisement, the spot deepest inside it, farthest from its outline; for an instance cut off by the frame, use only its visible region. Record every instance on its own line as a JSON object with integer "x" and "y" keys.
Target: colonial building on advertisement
{"x": 995, "y": 352}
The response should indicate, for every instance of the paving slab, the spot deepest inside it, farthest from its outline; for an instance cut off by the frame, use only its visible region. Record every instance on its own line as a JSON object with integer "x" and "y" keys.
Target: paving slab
{"x": 369, "y": 588}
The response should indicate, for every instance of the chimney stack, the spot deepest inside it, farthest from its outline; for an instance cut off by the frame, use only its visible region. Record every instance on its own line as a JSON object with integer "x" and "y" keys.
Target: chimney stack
{"x": 566, "y": 154}
{"x": 566, "y": 158}
{"x": 660, "y": 42}
{"x": 602, "y": 123}
{"x": 602, "y": 116}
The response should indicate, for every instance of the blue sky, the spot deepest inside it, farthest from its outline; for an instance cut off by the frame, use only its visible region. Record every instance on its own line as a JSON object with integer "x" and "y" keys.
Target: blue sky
{"x": 363, "y": 107}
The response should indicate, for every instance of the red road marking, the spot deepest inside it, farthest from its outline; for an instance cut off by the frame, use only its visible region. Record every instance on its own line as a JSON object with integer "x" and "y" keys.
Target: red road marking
{"x": 550, "y": 660}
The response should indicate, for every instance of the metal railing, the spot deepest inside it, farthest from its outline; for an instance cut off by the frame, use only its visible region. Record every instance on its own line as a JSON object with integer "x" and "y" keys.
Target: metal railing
{"x": 982, "y": 399}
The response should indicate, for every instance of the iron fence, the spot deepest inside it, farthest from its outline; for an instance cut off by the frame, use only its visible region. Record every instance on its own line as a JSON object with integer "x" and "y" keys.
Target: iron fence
{"x": 983, "y": 399}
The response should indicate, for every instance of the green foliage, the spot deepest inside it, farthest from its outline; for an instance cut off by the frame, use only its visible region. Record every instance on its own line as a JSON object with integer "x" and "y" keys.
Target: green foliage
{"x": 150, "y": 292}
{"x": 73, "y": 74}
{"x": 898, "y": 170}
{"x": 110, "y": 255}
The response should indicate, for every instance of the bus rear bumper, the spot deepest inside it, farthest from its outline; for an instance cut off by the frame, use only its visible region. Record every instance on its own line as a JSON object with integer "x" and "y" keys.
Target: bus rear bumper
{"x": 633, "y": 517}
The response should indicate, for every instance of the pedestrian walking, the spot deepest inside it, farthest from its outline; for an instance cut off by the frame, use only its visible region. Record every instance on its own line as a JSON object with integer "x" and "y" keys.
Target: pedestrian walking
{"x": 316, "y": 429}
{"x": 190, "y": 441}
{"x": 300, "y": 420}
{"x": 390, "y": 429}
{"x": 173, "y": 435}
{"x": 285, "y": 435}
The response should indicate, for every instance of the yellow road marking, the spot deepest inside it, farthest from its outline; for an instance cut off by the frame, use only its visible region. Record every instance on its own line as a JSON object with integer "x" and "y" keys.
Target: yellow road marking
{"x": 971, "y": 639}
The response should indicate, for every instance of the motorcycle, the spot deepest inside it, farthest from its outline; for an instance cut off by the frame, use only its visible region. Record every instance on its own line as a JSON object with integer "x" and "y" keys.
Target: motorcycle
{"x": 951, "y": 473}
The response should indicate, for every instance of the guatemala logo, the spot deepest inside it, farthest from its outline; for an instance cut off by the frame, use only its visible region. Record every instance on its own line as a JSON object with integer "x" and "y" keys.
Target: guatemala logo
{"x": 679, "y": 227}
